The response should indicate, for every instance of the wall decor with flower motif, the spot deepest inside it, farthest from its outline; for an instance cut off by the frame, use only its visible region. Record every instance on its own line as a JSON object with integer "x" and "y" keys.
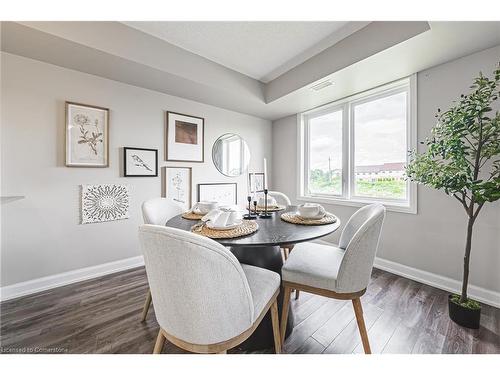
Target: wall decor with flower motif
{"x": 87, "y": 128}
{"x": 106, "y": 202}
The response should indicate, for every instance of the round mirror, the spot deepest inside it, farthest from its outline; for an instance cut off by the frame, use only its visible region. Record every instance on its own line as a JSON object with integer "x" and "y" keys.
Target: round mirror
{"x": 231, "y": 155}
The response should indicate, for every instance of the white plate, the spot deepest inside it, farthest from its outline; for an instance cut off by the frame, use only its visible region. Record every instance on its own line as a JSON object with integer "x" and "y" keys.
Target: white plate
{"x": 232, "y": 226}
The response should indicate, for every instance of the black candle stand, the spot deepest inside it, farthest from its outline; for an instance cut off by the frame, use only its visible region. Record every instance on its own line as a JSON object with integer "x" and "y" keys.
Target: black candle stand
{"x": 265, "y": 214}
{"x": 250, "y": 216}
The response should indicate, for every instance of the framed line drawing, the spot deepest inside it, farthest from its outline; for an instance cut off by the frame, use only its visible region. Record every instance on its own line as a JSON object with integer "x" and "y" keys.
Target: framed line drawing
{"x": 184, "y": 138}
{"x": 256, "y": 182}
{"x": 87, "y": 135}
{"x": 178, "y": 185}
{"x": 140, "y": 162}
{"x": 222, "y": 193}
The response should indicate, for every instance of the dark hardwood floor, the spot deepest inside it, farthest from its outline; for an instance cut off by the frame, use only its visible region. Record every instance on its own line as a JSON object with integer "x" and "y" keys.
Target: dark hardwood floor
{"x": 102, "y": 316}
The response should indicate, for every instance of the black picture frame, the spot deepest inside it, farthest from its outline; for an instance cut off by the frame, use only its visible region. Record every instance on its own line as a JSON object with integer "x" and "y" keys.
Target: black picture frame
{"x": 171, "y": 124}
{"x": 127, "y": 174}
{"x": 200, "y": 186}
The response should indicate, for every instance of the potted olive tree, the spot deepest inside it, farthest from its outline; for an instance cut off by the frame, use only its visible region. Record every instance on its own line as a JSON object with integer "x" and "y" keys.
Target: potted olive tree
{"x": 463, "y": 159}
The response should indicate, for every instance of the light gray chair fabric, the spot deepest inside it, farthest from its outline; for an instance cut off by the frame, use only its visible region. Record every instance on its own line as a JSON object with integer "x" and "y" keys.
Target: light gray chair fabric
{"x": 343, "y": 269}
{"x": 201, "y": 293}
{"x": 159, "y": 210}
{"x": 281, "y": 198}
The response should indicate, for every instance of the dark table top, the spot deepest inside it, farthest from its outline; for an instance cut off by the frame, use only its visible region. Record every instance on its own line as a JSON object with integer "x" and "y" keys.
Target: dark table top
{"x": 271, "y": 232}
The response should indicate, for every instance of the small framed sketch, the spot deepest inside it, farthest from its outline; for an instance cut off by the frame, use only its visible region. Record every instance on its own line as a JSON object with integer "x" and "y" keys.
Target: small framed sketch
{"x": 87, "y": 135}
{"x": 184, "y": 138}
{"x": 178, "y": 185}
{"x": 140, "y": 162}
{"x": 222, "y": 193}
{"x": 256, "y": 182}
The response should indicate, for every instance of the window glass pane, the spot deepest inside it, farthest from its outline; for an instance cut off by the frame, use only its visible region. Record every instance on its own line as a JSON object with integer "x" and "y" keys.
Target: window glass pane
{"x": 380, "y": 147}
{"x": 325, "y": 154}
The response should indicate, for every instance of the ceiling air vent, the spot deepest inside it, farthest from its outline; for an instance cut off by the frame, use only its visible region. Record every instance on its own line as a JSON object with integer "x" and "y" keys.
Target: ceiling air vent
{"x": 321, "y": 85}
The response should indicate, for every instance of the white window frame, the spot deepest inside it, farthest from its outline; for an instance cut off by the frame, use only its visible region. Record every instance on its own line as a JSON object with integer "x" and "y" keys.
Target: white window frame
{"x": 409, "y": 205}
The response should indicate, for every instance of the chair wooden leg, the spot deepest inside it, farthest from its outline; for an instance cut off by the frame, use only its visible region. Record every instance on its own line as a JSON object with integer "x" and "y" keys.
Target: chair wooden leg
{"x": 284, "y": 313}
{"x": 276, "y": 327}
{"x": 160, "y": 341}
{"x": 297, "y": 294}
{"x": 145, "y": 309}
{"x": 358, "y": 310}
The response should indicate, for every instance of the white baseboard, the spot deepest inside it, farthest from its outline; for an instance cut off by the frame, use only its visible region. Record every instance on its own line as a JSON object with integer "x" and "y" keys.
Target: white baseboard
{"x": 483, "y": 295}
{"x": 486, "y": 296}
{"x": 70, "y": 277}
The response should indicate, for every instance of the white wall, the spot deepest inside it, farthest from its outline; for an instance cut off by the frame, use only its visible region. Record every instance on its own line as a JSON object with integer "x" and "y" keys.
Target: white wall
{"x": 41, "y": 234}
{"x": 434, "y": 239}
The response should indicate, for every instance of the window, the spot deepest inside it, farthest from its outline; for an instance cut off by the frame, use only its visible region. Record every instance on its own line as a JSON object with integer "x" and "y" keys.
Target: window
{"x": 354, "y": 151}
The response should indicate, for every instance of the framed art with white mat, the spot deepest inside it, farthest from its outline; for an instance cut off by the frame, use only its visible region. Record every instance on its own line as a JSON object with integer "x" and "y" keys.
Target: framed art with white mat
{"x": 87, "y": 135}
{"x": 184, "y": 138}
{"x": 177, "y": 185}
{"x": 222, "y": 193}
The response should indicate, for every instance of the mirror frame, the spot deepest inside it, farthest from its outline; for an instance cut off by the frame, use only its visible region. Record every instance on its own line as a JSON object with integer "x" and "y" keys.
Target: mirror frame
{"x": 213, "y": 157}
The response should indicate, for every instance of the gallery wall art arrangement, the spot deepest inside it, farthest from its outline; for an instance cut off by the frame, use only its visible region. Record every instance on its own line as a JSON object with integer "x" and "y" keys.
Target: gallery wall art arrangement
{"x": 87, "y": 145}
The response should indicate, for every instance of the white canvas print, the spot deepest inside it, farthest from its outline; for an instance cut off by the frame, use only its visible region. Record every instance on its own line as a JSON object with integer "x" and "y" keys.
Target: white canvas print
{"x": 86, "y": 136}
{"x": 105, "y": 202}
{"x": 140, "y": 162}
{"x": 178, "y": 185}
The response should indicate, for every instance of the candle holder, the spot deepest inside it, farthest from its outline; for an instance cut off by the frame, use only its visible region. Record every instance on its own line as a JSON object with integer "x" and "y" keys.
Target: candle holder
{"x": 255, "y": 208}
{"x": 265, "y": 214}
{"x": 249, "y": 216}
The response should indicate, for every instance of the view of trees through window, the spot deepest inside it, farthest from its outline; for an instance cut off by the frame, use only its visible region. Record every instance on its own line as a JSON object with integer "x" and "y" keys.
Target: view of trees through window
{"x": 379, "y": 157}
{"x": 325, "y": 157}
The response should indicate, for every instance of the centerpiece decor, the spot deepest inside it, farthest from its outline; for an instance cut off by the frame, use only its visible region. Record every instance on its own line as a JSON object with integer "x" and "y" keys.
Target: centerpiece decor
{"x": 463, "y": 159}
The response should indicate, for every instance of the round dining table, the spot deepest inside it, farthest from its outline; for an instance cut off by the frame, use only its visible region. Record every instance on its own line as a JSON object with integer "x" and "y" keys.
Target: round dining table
{"x": 263, "y": 249}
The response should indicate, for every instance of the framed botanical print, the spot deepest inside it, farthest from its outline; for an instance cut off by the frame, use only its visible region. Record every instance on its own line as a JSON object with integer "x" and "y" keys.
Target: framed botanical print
{"x": 256, "y": 182}
{"x": 87, "y": 135}
{"x": 184, "y": 138}
{"x": 222, "y": 193}
{"x": 140, "y": 162}
{"x": 178, "y": 185}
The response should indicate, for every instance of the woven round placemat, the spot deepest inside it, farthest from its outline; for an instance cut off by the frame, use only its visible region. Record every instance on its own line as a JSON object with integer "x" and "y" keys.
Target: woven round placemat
{"x": 294, "y": 218}
{"x": 192, "y": 216}
{"x": 270, "y": 209}
{"x": 247, "y": 227}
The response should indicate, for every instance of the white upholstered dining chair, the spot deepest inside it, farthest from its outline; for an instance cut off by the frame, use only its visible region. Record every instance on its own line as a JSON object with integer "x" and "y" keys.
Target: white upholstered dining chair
{"x": 205, "y": 300}
{"x": 280, "y": 197}
{"x": 341, "y": 272}
{"x": 157, "y": 211}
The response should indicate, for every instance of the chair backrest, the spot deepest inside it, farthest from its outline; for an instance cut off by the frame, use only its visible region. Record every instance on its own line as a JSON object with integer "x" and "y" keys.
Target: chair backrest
{"x": 280, "y": 197}
{"x": 159, "y": 210}
{"x": 200, "y": 292}
{"x": 359, "y": 239}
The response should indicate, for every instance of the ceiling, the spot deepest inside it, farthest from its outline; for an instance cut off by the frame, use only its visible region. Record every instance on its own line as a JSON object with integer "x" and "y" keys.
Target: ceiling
{"x": 261, "y": 50}
{"x": 354, "y": 56}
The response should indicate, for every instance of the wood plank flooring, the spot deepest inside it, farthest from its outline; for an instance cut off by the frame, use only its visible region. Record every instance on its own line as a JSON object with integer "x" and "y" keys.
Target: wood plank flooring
{"x": 103, "y": 316}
